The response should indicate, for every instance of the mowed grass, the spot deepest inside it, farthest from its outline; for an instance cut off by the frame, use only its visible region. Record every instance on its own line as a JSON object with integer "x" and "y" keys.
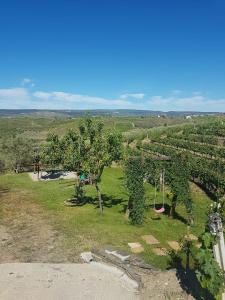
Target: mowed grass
{"x": 83, "y": 226}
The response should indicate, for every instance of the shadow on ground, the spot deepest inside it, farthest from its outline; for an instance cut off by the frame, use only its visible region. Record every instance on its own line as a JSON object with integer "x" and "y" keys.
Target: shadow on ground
{"x": 189, "y": 283}
{"x": 188, "y": 279}
{"x": 108, "y": 201}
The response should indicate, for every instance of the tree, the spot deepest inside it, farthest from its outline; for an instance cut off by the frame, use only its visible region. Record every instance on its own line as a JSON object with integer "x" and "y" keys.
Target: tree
{"x": 18, "y": 152}
{"x": 134, "y": 173}
{"x": 51, "y": 153}
{"x": 90, "y": 150}
{"x": 179, "y": 183}
{"x": 73, "y": 155}
{"x": 100, "y": 149}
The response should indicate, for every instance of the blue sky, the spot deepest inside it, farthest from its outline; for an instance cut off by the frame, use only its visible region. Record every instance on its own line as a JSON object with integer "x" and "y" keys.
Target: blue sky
{"x": 167, "y": 55}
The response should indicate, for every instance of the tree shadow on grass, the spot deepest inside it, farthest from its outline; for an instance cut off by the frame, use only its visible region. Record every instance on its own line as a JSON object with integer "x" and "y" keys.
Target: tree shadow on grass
{"x": 108, "y": 201}
{"x": 82, "y": 201}
{"x": 208, "y": 193}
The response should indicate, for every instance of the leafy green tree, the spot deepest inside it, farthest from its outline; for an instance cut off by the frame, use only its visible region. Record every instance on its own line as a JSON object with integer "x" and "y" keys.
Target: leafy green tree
{"x": 90, "y": 150}
{"x": 51, "y": 153}
{"x": 73, "y": 155}
{"x": 134, "y": 173}
{"x": 179, "y": 184}
{"x": 18, "y": 152}
{"x": 99, "y": 149}
{"x": 71, "y": 145}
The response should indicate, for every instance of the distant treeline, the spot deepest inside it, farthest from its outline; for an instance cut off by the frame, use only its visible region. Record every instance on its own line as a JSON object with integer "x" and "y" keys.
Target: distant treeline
{"x": 96, "y": 112}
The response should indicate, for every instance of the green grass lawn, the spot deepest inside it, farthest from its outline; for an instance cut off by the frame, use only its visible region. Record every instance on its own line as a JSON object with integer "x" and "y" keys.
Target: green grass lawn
{"x": 85, "y": 228}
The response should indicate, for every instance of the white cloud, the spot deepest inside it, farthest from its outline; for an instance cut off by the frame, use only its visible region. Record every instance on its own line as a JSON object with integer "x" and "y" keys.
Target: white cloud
{"x": 77, "y": 98}
{"x": 14, "y": 97}
{"x": 136, "y": 96}
{"x": 28, "y": 81}
{"x": 21, "y": 97}
{"x": 42, "y": 95}
{"x": 194, "y": 102}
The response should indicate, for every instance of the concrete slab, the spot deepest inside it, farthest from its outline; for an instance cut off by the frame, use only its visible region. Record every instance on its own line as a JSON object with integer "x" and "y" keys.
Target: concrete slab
{"x": 174, "y": 245}
{"x": 136, "y": 247}
{"x": 150, "y": 239}
{"x": 191, "y": 237}
{"x": 34, "y": 281}
{"x": 160, "y": 251}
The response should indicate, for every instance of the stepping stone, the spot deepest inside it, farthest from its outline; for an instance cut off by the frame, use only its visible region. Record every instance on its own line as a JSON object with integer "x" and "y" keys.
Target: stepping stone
{"x": 160, "y": 251}
{"x": 136, "y": 247}
{"x": 150, "y": 239}
{"x": 174, "y": 245}
{"x": 191, "y": 237}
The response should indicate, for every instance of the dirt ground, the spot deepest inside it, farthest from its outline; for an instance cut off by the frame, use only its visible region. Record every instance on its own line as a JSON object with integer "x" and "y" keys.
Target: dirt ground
{"x": 27, "y": 237}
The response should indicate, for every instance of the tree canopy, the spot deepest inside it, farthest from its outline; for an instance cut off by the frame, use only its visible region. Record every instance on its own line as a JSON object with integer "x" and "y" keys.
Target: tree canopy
{"x": 89, "y": 149}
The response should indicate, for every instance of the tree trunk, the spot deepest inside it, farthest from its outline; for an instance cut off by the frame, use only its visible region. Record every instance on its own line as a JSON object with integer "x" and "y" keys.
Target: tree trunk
{"x": 129, "y": 207}
{"x": 173, "y": 208}
{"x": 187, "y": 268}
{"x": 99, "y": 198}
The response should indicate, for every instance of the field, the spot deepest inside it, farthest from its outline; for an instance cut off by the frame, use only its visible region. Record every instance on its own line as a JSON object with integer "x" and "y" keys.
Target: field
{"x": 83, "y": 228}
{"x": 203, "y": 146}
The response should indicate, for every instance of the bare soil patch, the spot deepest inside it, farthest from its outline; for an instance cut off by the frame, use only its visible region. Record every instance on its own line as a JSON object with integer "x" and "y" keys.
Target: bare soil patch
{"x": 25, "y": 232}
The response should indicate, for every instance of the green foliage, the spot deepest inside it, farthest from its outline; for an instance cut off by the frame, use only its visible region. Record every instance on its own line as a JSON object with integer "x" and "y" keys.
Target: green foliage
{"x": 89, "y": 149}
{"x": 72, "y": 148}
{"x": 52, "y": 151}
{"x": 179, "y": 182}
{"x": 100, "y": 149}
{"x": 208, "y": 271}
{"x": 134, "y": 181}
{"x": 18, "y": 152}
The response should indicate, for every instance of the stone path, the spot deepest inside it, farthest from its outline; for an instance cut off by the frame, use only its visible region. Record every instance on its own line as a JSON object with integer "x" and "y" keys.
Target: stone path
{"x": 136, "y": 247}
{"x": 191, "y": 237}
{"x": 160, "y": 251}
{"x": 150, "y": 239}
{"x": 174, "y": 245}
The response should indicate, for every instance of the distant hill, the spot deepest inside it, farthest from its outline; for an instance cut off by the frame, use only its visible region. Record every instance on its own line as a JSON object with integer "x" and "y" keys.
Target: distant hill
{"x": 94, "y": 112}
